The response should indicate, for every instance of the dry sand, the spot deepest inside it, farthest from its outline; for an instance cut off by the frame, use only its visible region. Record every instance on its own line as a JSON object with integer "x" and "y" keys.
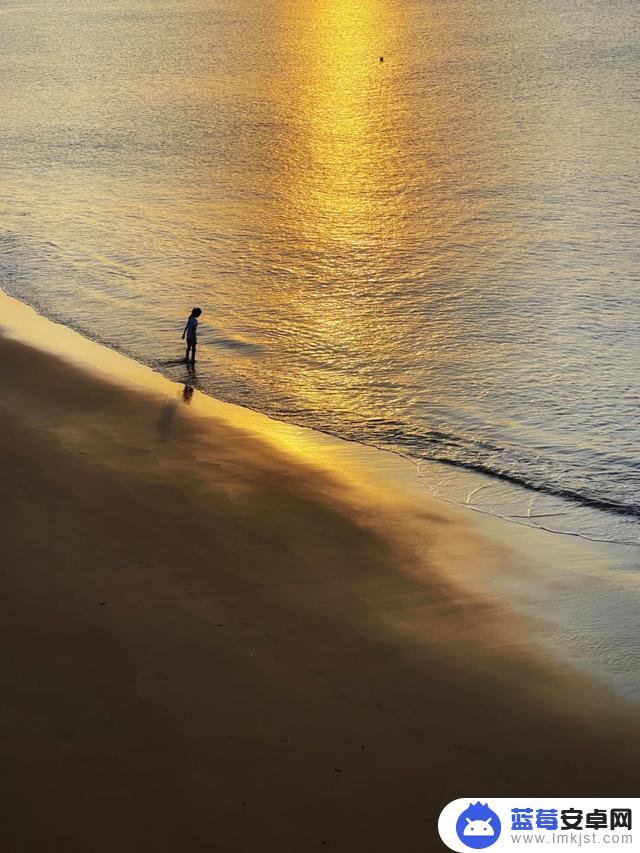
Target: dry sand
{"x": 218, "y": 636}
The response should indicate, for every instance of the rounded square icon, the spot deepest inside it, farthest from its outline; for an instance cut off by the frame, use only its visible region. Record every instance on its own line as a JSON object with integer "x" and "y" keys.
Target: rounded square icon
{"x": 478, "y": 826}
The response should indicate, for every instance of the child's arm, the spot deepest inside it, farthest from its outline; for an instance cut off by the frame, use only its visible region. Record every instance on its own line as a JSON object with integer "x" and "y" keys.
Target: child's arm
{"x": 185, "y": 331}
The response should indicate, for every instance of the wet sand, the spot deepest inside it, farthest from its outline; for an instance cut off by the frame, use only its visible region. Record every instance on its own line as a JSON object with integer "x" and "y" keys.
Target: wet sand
{"x": 221, "y": 633}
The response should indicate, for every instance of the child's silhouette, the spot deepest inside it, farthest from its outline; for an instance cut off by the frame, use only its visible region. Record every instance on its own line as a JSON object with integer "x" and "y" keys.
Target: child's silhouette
{"x": 191, "y": 332}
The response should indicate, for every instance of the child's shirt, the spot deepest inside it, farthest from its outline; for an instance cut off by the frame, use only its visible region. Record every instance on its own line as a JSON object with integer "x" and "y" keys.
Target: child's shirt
{"x": 192, "y": 328}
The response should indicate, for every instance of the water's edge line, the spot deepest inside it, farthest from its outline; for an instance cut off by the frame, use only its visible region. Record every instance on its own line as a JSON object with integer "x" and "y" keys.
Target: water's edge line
{"x": 110, "y": 345}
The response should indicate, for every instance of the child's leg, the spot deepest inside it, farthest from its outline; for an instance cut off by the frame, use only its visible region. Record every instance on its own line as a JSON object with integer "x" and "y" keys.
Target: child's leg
{"x": 193, "y": 353}
{"x": 186, "y": 357}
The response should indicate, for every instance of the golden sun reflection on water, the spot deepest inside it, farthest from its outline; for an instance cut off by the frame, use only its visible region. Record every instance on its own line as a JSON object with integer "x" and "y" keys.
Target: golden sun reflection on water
{"x": 341, "y": 188}
{"x": 336, "y": 192}
{"x": 341, "y": 197}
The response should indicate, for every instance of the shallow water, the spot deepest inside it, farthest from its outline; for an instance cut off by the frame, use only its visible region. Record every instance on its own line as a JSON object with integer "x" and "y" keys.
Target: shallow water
{"x": 436, "y": 253}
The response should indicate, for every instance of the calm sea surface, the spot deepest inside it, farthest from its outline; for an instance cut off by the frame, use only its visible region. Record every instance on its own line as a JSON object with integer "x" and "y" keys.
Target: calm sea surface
{"x": 437, "y": 253}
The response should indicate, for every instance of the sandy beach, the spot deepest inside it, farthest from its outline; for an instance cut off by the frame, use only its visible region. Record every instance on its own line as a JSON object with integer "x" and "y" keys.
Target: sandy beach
{"x": 224, "y": 633}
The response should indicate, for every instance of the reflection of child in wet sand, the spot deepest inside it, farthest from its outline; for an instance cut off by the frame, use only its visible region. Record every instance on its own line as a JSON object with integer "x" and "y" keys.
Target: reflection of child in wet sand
{"x": 191, "y": 331}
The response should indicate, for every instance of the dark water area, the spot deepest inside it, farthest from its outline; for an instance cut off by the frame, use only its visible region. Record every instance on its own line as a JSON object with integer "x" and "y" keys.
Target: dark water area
{"x": 437, "y": 254}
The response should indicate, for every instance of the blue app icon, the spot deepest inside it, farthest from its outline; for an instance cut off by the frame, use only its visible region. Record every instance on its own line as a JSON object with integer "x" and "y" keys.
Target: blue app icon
{"x": 478, "y": 826}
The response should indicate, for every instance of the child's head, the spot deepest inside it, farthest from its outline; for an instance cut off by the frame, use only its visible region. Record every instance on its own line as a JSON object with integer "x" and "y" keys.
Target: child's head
{"x": 196, "y": 312}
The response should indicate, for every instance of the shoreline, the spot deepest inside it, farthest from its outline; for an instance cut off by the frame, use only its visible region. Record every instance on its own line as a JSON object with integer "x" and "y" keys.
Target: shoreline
{"x": 458, "y": 481}
{"x": 388, "y": 467}
{"x": 227, "y": 627}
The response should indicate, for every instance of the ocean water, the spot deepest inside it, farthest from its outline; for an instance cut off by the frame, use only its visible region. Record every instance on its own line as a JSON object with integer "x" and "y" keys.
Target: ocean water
{"x": 436, "y": 253}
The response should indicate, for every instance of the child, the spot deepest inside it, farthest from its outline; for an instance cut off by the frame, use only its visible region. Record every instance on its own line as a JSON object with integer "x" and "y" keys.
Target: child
{"x": 191, "y": 331}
